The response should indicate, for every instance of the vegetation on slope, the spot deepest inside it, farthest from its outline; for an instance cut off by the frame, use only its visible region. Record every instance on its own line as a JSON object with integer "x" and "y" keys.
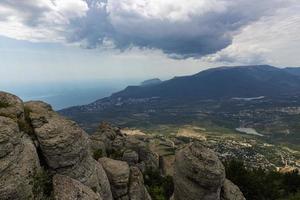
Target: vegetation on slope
{"x": 257, "y": 184}
{"x": 159, "y": 187}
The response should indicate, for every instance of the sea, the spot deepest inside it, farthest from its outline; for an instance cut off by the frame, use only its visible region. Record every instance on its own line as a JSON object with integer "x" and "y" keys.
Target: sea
{"x": 63, "y": 94}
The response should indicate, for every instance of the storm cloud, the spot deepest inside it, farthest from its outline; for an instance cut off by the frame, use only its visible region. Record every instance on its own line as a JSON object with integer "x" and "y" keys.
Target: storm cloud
{"x": 180, "y": 29}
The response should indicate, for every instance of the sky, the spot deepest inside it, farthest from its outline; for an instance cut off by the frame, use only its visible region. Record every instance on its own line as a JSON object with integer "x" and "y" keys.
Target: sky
{"x": 78, "y": 40}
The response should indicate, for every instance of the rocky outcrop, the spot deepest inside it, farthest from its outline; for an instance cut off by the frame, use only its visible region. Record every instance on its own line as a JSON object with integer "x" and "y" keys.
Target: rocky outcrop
{"x": 231, "y": 191}
{"x": 137, "y": 190}
{"x": 126, "y": 182}
{"x": 11, "y": 106}
{"x": 19, "y": 160}
{"x": 66, "y": 188}
{"x": 103, "y": 137}
{"x": 132, "y": 149}
{"x": 198, "y": 174}
{"x": 65, "y": 148}
{"x": 33, "y": 136}
{"x": 118, "y": 174}
{"x": 131, "y": 157}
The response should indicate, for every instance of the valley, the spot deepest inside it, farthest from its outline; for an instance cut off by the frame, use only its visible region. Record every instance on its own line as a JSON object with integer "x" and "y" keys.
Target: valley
{"x": 261, "y": 130}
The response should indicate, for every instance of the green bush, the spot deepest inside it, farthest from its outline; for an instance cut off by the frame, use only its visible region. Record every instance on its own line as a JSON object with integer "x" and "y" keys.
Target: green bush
{"x": 97, "y": 154}
{"x": 4, "y": 105}
{"x": 115, "y": 154}
{"x": 159, "y": 187}
{"x": 257, "y": 184}
{"x": 26, "y": 126}
{"x": 42, "y": 185}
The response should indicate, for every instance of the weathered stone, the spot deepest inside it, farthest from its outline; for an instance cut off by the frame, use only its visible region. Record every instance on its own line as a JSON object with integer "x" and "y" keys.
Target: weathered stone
{"x": 65, "y": 147}
{"x": 11, "y": 106}
{"x": 103, "y": 138}
{"x": 231, "y": 191}
{"x": 114, "y": 142}
{"x": 198, "y": 174}
{"x": 118, "y": 175}
{"x": 66, "y": 188}
{"x": 18, "y": 162}
{"x": 137, "y": 190}
{"x": 131, "y": 157}
{"x": 149, "y": 158}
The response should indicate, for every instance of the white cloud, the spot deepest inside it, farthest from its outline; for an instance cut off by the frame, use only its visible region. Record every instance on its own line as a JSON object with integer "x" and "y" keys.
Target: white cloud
{"x": 38, "y": 20}
{"x": 232, "y": 31}
{"x": 273, "y": 39}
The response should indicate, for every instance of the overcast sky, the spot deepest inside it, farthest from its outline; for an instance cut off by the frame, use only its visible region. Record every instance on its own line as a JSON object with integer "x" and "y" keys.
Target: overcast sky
{"x": 56, "y": 40}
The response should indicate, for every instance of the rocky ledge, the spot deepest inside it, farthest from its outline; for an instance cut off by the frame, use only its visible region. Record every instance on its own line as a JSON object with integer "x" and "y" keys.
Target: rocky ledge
{"x": 46, "y": 156}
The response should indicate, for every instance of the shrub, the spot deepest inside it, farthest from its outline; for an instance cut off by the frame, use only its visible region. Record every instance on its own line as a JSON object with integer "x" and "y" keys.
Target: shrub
{"x": 257, "y": 184}
{"x": 159, "y": 187}
{"x": 4, "y": 105}
{"x": 115, "y": 154}
{"x": 97, "y": 154}
{"x": 42, "y": 185}
{"x": 26, "y": 126}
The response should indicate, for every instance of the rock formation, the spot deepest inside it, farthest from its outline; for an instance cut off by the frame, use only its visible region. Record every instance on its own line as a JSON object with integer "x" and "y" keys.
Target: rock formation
{"x": 18, "y": 157}
{"x": 34, "y": 139}
{"x": 231, "y": 191}
{"x": 118, "y": 174}
{"x": 66, "y": 188}
{"x": 199, "y": 174}
{"x": 137, "y": 190}
{"x": 65, "y": 147}
{"x": 132, "y": 149}
{"x": 126, "y": 182}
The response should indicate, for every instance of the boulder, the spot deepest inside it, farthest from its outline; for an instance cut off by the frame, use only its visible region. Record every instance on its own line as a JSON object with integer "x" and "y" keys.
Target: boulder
{"x": 103, "y": 137}
{"x": 131, "y": 157}
{"x": 65, "y": 148}
{"x": 118, "y": 174}
{"x": 231, "y": 191}
{"x": 18, "y": 162}
{"x": 66, "y": 188}
{"x": 198, "y": 174}
{"x": 137, "y": 190}
{"x": 11, "y": 106}
{"x": 146, "y": 157}
{"x": 114, "y": 144}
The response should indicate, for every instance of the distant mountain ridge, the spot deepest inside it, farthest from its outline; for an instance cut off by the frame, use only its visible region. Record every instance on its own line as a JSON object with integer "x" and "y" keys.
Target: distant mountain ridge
{"x": 216, "y": 95}
{"x": 222, "y": 82}
{"x": 149, "y": 82}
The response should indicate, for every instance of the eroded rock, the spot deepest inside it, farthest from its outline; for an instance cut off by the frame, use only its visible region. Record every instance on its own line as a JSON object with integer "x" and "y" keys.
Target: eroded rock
{"x": 11, "y": 106}
{"x": 231, "y": 192}
{"x": 19, "y": 162}
{"x": 198, "y": 174}
{"x": 65, "y": 147}
{"x": 118, "y": 174}
{"x": 137, "y": 190}
{"x": 66, "y": 188}
{"x": 131, "y": 157}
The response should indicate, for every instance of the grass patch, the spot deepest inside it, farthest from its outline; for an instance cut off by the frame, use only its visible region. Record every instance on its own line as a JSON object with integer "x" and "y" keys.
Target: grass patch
{"x": 159, "y": 187}
{"x": 4, "y": 105}
{"x": 115, "y": 154}
{"x": 98, "y": 154}
{"x": 42, "y": 185}
{"x": 258, "y": 184}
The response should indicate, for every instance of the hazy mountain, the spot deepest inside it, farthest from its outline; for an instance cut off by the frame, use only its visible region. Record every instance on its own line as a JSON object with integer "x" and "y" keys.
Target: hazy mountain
{"x": 293, "y": 70}
{"x": 223, "y": 82}
{"x": 151, "y": 82}
{"x": 267, "y": 97}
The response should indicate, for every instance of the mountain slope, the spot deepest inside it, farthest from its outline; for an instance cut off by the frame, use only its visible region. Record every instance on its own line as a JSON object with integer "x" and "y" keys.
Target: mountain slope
{"x": 262, "y": 96}
{"x": 219, "y": 83}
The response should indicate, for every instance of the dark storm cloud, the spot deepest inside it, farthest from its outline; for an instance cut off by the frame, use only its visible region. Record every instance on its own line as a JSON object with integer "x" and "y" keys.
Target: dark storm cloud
{"x": 178, "y": 30}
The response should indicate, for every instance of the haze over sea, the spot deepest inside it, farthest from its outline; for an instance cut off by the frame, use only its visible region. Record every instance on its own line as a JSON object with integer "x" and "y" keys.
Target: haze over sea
{"x": 65, "y": 94}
